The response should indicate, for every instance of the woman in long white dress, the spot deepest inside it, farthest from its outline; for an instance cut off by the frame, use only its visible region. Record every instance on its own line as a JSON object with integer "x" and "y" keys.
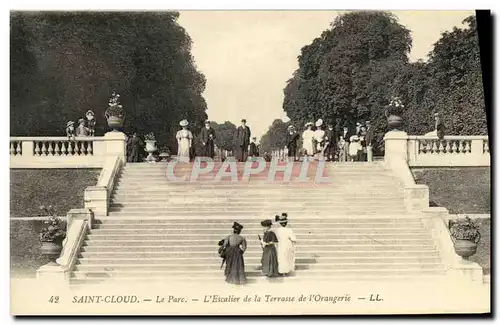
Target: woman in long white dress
{"x": 307, "y": 140}
{"x": 286, "y": 245}
{"x": 184, "y": 141}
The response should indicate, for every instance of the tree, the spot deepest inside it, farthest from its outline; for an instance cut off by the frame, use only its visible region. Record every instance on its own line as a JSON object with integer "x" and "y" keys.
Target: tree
{"x": 349, "y": 72}
{"x": 76, "y": 59}
{"x": 275, "y": 136}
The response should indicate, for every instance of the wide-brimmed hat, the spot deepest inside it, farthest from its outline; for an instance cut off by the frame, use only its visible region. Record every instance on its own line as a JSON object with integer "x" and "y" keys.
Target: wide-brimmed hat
{"x": 309, "y": 124}
{"x": 184, "y": 123}
{"x": 237, "y": 226}
{"x": 70, "y": 123}
{"x": 81, "y": 120}
{"x": 319, "y": 122}
{"x": 282, "y": 218}
{"x": 290, "y": 127}
{"x": 266, "y": 223}
{"x": 89, "y": 112}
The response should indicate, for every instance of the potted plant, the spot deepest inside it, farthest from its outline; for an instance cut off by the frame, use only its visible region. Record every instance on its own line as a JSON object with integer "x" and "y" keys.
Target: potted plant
{"x": 465, "y": 235}
{"x": 165, "y": 153}
{"x": 393, "y": 113}
{"x": 150, "y": 140}
{"x": 53, "y": 234}
{"x": 115, "y": 114}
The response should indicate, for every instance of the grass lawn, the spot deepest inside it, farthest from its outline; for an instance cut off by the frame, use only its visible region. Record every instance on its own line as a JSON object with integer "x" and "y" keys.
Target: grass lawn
{"x": 31, "y": 188}
{"x": 61, "y": 188}
{"x": 25, "y": 255}
{"x": 482, "y": 256}
{"x": 460, "y": 190}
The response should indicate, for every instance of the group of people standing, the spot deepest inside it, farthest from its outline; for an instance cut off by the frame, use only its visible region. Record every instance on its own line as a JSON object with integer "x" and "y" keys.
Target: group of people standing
{"x": 331, "y": 144}
{"x": 85, "y": 128}
{"x": 278, "y": 250}
{"x": 244, "y": 147}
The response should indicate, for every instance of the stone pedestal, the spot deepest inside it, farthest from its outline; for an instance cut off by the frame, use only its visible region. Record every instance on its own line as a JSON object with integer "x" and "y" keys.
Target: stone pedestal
{"x": 396, "y": 146}
{"x": 53, "y": 273}
{"x": 116, "y": 145}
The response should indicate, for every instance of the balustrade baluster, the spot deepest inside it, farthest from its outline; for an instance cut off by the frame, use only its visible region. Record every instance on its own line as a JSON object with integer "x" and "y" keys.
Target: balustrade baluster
{"x": 90, "y": 148}
{"x": 454, "y": 148}
{"x": 57, "y": 148}
{"x": 84, "y": 148}
{"x": 441, "y": 146}
{"x": 12, "y": 149}
{"x": 467, "y": 146}
{"x": 71, "y": 148}
{"x": 50, "y": 151}
{"x": 64, "y": 150}
{"x": 19, "y": 148}
{"x": 421, "y": 147}
{"x": 428, "y": 147}
{"x": 44, "y": 148}
{"x": 434, "y": 147}
{"x": 37, "y": 148}
{"x": 486, "y": 146}
{"x": 447, "y": 146}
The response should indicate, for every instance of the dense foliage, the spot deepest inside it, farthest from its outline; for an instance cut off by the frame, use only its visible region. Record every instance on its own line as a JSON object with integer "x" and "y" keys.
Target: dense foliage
{"x": 351, "y": 71}
{"x": 65, "y": 63}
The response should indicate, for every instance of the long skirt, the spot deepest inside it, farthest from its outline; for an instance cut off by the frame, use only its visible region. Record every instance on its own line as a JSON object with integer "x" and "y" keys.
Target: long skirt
{"x": 270, "y": 261}
{"x": 235, "y": 266}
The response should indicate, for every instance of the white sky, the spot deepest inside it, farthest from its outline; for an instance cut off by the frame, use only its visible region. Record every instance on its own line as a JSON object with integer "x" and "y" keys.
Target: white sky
{"x": 247, "y": 56}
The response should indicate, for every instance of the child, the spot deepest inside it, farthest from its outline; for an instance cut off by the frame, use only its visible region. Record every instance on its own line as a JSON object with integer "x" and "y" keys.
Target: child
{"x": 70, "y": 130}
{"x": 90, "y": 122}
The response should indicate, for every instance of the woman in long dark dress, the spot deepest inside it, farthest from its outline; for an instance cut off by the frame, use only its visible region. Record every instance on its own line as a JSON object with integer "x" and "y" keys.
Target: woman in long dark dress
{"x": 235, "y": 247}
{"x": 269, "y": 254}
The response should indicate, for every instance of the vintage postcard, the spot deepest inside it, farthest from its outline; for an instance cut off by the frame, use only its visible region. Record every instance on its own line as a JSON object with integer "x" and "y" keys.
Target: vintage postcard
{"x": 248, "y": 163}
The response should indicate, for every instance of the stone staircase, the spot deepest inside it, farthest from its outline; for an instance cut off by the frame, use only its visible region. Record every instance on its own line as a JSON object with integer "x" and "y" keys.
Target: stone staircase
{"x": 355, "y": 227}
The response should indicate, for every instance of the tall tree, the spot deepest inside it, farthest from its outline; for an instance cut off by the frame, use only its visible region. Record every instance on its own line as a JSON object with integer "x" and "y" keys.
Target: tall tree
{"x": 275, "y": 136}
{"x": 78, "y": 58}
{"x": 349, "y": 72}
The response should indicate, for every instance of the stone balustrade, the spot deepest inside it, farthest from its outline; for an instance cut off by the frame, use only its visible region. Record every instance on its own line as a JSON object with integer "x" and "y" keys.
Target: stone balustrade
{"x": 61, "y": 152}
{"x": 452, "y": 151}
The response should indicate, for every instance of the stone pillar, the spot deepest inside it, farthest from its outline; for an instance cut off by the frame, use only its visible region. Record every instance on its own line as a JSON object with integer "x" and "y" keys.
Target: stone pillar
{"x": 396, "y": 147}
{"x": 115, "y": 145}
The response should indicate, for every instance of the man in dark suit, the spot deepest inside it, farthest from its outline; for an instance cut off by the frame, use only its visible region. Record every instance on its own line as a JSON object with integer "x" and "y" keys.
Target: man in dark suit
{"x": 369, "y": 140}
{"x": 331, "y": 143}
{"x": 242, "y": 140}
{"x": 207, "y": 137}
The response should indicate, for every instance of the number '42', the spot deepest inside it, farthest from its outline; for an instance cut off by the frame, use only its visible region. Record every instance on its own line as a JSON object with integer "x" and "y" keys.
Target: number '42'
{"x": 54, "y": 299}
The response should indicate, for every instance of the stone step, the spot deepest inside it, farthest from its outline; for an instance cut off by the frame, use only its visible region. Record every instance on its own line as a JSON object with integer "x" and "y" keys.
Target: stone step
{"x": 197, "y": 260}
{"x": 146, "y": 246}
{"x": 301, "y": 253}
{"x": 220, "y": 274}
{"x": 405, "y": 220}
{"x": 175, "y": 229}
{"x": 330, "y": 165}
{"x": 316, "y": 235}
{"x": 250, "y": 267}
{"x": 297, "y": 225}
{"x": 259, "y": 214}
{"x": 253, "y": 240}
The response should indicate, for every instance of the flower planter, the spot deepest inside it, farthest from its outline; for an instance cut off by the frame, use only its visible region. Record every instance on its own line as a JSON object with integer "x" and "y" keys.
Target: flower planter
{"x": 150, "y": 148}
{"x": 394, "y": 122}
{"x": 115, "y": 122}
{"x": 465, "y": 248}
{"x": 51, "y": 249}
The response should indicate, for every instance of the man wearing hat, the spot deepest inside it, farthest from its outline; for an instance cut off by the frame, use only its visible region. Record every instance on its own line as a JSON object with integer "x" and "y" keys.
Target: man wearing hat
{"x": 292, "y": 137}
{"x": 242, "y": 140}
{"x": 90, "y": 122}
{"x": 82, "y": 130}
{"x": 286, "y": 245}
{"x": 207, "y": 136}
{"x": 330, "y": 143}
{"x": 70, "y": 130}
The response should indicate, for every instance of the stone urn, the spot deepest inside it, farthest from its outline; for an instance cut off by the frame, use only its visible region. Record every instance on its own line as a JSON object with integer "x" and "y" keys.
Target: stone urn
{"x": 51, "y": 249}
{"x": 115, "y": 122}
{"x": 150, "y": 149}
{"x": 465, "y": 248}
{"x": 394, "y": 122}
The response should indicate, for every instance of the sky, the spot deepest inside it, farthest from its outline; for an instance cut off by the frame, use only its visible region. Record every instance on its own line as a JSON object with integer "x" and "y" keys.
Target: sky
{"x": 248, "y": 56}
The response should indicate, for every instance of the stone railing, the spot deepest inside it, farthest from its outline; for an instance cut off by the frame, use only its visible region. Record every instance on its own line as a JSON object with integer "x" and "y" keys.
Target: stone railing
{"x": 452, "y": 151}
{"x": 61, "y": 152}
